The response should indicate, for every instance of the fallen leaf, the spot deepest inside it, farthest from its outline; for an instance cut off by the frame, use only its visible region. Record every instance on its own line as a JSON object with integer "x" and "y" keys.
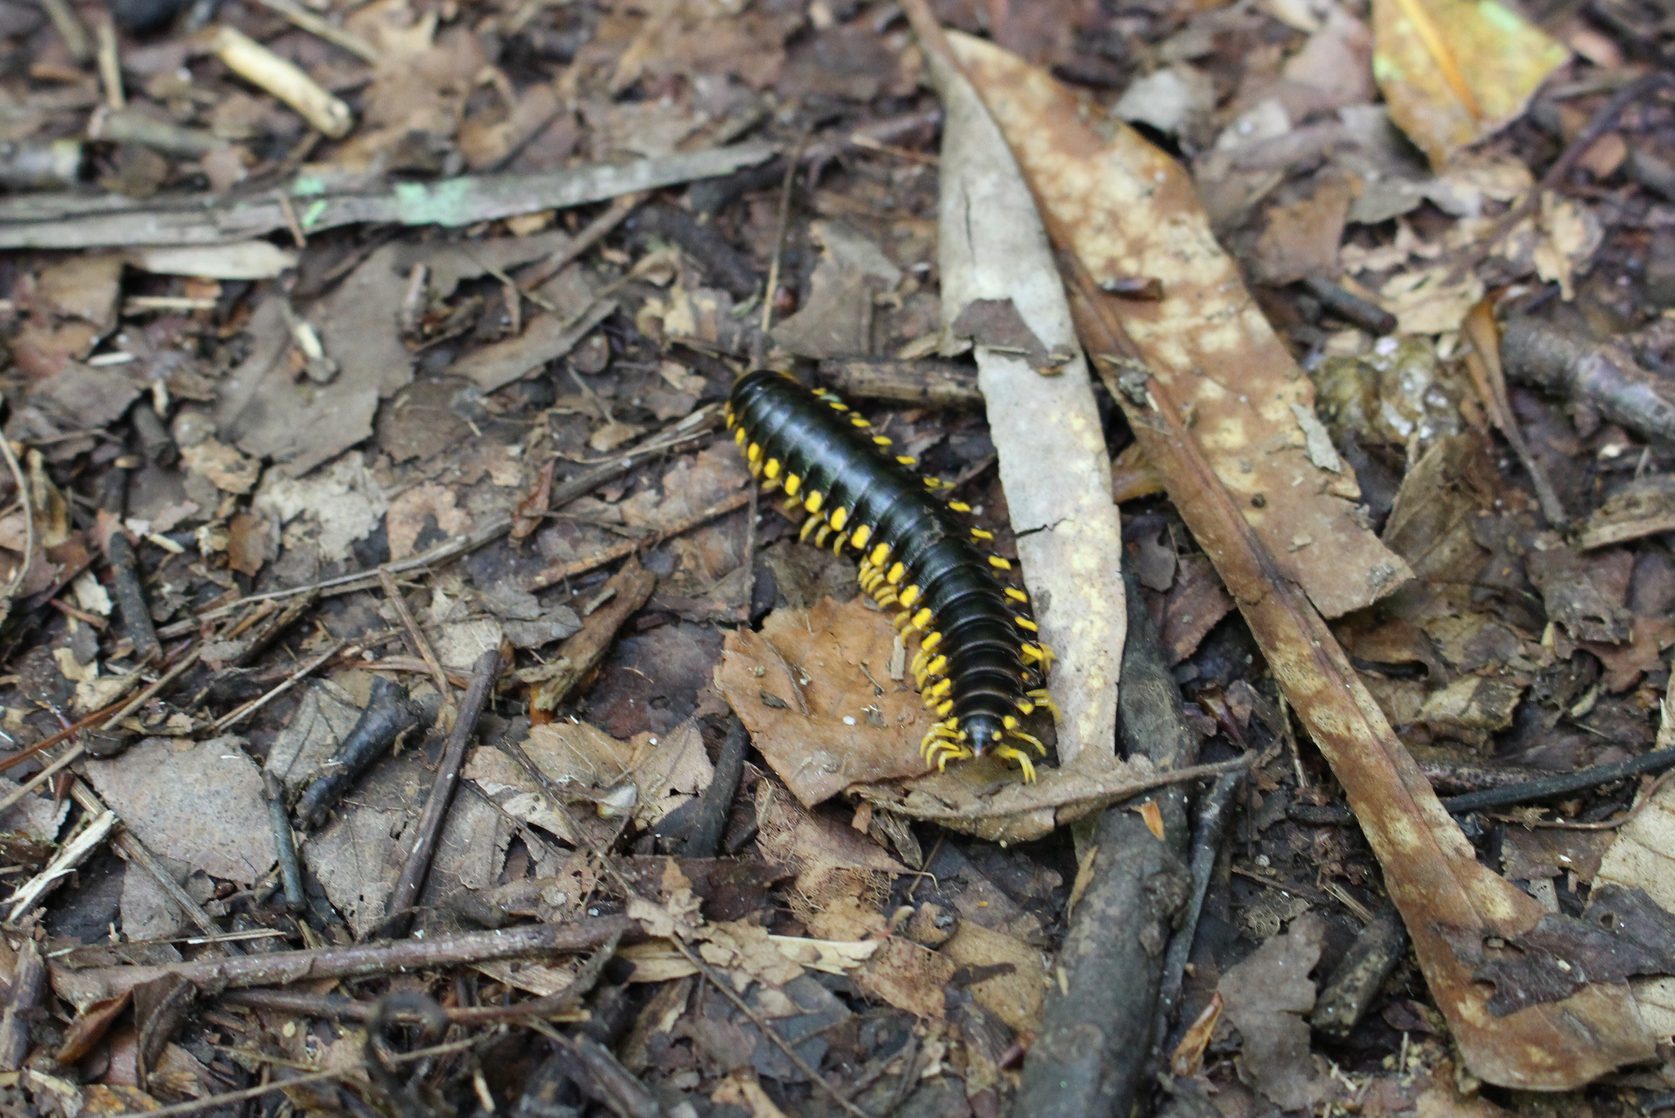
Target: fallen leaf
{"x": 1267, "y": 997}
{"x": 1455, "y": 71}
{"x": 1128, "y": 209}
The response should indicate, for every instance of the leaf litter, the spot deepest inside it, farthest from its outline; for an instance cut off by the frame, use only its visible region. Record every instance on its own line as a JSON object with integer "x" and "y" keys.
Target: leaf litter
{"x": 441, "y": 386}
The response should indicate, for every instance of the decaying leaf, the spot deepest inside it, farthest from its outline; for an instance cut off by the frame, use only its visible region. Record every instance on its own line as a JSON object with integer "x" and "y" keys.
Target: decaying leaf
{"x": 1126, "y": 209}
{"x": 1268, "y": 997}
{"x": 1455, "y": 71}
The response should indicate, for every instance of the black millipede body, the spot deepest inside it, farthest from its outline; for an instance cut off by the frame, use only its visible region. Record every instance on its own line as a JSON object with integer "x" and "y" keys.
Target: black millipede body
{"x": 980, "y": 666}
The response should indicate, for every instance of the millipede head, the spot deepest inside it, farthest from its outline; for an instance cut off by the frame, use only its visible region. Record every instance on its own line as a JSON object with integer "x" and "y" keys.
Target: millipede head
{"x": 984, "y": 732}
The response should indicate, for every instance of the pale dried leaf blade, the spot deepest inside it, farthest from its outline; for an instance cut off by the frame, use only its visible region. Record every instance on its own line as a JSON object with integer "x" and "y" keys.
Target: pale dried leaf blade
{"x": 991, "y": 246}
{"x": 1126, "y": 209}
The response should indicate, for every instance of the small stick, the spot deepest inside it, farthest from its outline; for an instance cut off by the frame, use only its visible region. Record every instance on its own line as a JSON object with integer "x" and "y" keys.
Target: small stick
{"x": 1483, "y": 363}
{"x": 267, "y": 71}
{"x": 361, "y": 960}
{"x": 429, "y": 829}
{"x": 68, "y": 24}
{"x": 229, "y": 720}
{"x": 552, "y": 576}
{"x": 130, "y": 596}
{"x": 1349, "y": 306}
{"x": 1545, "y": 788}
{"x": 1605, "y": 375}
{"x": 703, "y": 838}
{"x": 330, "y": 32}
{"x": 284, "y": 841}
{"x": 1211, "y": 828}
{"x": 29, "y": 983}
{"x": 781, "y": 221}
{"x": 24, "y": 498}
{"x": 68, "y": 857}
{"x": 591, "y": 234}
{"x": 929, "y": 383}
{"x": 131, "y": 126}
{"x": 110, "y": 66}
{"x": 414, "y": 635}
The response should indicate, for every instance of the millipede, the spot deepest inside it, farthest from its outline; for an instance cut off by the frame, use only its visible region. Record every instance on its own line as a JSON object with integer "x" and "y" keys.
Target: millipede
{"x": 980, "y": 666}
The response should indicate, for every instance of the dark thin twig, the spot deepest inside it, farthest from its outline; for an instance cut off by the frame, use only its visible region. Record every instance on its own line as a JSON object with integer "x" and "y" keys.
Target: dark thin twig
{"x": 360, "y": 960}
{"x": 1349, "y": 306}
{"x": 1207, "y": 836}
{"x": 1560, "y": 784}
{"x": 428, "y": 831}
{"x": 129, "y": 592}
{"x": 284, "y": 841}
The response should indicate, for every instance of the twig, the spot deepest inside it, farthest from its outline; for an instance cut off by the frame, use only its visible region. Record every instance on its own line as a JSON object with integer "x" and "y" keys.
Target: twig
{"x": 130, "y": 596}
{"x": 361, "y": 960}
{"x": 927, "y": 382}
{"x": 330, "y": 32}
{"x": 429, "y": 828}
{"x": 782, "y": 219}
{"x": 1346, "y": 995}
{"x": 388, "y": 715}
{"x": 703, "y": 839}
{"x": 552, "y": 576}
{"x": 1483, "y": 363}
{"x": 1546, "y": 788}
{"x": 284, "y": 841}
{"x": 28, "y": 985}
{"x": 110, "y": 65}
{"x": 1213, "y": 814}
{"x": 233, "y": 718}
{"x": 283, "y": 79}
{"x": 70, "y": 28}
{"x": 25, "y": 498}
{"x": 68, "y": 221}
{"x": 415, "y": 635}
{"x": 1605, "y": 375}
{"x": 1349, "y": 306}
{"x": 1092, "y": 1051}
{"x": 591, "y": 234}
{"x": 69, "y": 856}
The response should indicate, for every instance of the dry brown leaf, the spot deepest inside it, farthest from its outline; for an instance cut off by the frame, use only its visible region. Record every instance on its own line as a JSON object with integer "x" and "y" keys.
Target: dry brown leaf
{"x": 813, "y": 690}
{"x": 1093, "y": 179}
{"x": 1455, "y": 71}
{"x": 1129, "y": 210}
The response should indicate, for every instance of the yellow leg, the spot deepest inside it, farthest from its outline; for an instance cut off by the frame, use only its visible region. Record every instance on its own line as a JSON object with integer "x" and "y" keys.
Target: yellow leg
{"x": 1020, "y": 758}
{"x": 1030, "y": 740}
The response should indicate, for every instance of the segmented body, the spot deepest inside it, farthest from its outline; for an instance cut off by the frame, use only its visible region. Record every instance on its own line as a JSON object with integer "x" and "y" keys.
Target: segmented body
{"x": 980, "y": 666}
